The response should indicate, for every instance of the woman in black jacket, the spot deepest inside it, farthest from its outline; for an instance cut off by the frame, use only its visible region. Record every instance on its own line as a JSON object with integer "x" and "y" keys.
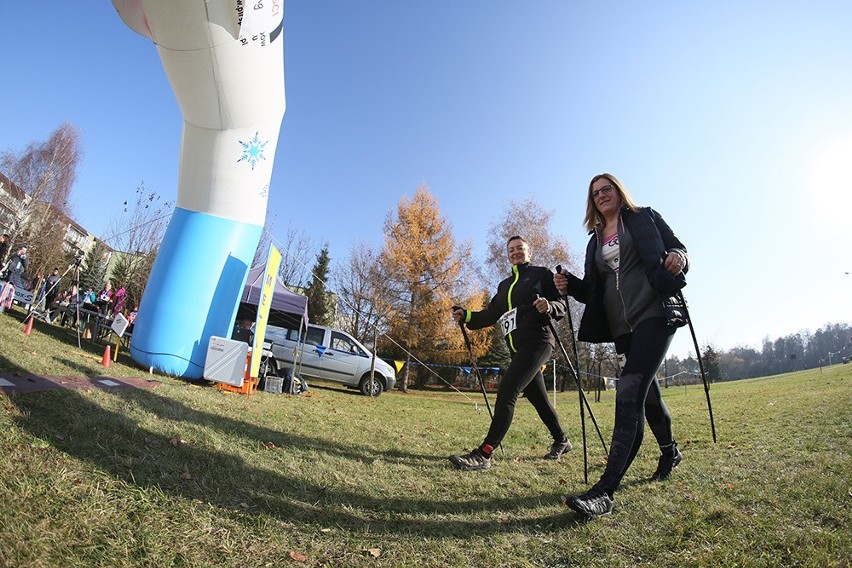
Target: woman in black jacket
{"x": 634, "y": 263}
{"x": 522, "y": 305}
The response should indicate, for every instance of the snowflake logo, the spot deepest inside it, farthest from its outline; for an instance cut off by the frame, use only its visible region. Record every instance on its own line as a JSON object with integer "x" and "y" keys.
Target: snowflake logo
{"x": 253, "y": 150}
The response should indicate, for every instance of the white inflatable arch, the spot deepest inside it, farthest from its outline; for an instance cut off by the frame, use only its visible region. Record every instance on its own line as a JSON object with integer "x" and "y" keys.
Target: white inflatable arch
{"x": 225, "y": 62}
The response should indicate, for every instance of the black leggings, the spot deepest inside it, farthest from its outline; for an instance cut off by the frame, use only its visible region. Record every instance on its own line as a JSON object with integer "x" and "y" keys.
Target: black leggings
{"x": 524, "y": 375}
{"x": 637, "y": 396}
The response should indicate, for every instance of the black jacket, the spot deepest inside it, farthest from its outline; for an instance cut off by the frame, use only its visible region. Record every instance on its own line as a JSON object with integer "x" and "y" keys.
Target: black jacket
{"x": 653, "y": 238}
{"x": 520, "y": 291}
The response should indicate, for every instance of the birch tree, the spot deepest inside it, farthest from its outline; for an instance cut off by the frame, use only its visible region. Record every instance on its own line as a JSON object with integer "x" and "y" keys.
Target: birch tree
{"x": 135, "y": 236}
{"x": 531, "y": 220}
{"x": 45, "y": 171}
{"x": 358, "y": 285}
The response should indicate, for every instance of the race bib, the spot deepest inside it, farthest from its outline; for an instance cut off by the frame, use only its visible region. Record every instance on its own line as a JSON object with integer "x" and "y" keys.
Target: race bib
{"x": 509, "y": 321}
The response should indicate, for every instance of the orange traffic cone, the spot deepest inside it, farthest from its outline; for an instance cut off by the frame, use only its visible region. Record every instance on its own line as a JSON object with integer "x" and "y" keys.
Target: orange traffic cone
{"x": 106, "y": 360}
{"x": 29, "y": 328}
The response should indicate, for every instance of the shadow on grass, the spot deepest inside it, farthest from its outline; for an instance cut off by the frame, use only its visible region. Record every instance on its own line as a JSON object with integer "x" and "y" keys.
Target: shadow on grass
{"x": 119, "y": 445}
{"x": 82, "y": 369}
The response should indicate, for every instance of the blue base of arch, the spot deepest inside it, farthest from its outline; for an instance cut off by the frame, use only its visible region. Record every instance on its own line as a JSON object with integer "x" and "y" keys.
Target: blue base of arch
{"x": 193, "y": 291}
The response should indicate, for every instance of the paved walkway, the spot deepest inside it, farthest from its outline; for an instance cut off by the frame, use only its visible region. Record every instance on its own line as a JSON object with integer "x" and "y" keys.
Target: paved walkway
{"x": 22, "y": 382}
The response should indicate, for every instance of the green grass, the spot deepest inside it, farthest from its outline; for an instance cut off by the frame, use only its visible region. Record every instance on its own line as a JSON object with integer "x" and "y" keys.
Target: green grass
{"x": 183, "y": 475}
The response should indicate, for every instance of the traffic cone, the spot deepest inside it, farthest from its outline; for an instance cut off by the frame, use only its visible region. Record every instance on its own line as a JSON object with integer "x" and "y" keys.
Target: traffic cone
{"x": 106, "y": 360}
{"x": 29, "y": 328}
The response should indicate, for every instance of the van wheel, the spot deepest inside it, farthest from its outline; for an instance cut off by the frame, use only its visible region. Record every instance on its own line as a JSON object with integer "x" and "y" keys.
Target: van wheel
{"x": 364, "y": 385}
{"x": 268, "y": 368}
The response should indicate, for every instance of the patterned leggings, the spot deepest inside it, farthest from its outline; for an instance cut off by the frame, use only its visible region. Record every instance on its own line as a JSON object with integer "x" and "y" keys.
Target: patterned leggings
{"x": 638, "y": 397}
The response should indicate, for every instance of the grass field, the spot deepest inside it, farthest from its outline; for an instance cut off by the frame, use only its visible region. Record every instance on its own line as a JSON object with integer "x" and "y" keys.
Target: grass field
{"x": 185, "y": 475}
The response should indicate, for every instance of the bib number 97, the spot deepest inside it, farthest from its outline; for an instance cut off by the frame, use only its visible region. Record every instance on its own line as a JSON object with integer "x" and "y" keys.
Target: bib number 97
{"x": 509, "y": 321}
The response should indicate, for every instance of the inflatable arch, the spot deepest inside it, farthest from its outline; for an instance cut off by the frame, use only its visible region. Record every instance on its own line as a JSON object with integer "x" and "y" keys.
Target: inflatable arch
{"x": 225, "y": 62}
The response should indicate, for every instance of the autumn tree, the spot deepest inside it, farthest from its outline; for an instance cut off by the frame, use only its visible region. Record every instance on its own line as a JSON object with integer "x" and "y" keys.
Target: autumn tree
{"x": 135, "y": 237}
{"x": 425, "y": 273}
{"x": 320, "y": 308}
{"x": 45, "y": 171}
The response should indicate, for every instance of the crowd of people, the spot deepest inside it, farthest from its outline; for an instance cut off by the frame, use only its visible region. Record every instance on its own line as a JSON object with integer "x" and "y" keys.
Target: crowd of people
{"x": 65, "y": 306}
{"x": 53, "y": 297}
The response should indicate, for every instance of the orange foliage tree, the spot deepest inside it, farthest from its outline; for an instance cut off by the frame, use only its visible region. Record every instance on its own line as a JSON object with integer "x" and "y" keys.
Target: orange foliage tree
{"x": 424, "y": 274}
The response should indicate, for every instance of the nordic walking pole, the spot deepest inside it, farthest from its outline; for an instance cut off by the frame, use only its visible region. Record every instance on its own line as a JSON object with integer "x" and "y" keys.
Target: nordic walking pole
{"x": 476, "y": 371}
{"x": 576, "y": 380}
{"x": 582, "y": 400}
{"x": 700, "y": 364}
{"x": 577, "y": 359}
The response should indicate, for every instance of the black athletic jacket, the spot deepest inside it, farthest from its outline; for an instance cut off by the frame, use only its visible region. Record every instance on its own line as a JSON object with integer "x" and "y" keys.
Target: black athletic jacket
{"x": 653, "y": 238}
{"x": 519, "y": 291}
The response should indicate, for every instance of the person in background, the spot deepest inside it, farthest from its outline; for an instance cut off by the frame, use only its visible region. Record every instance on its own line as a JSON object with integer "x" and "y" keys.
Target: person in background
{"x": 4, "y": 248}
{"x": 118, "y": 301}
{"x": 634, "y": 262}
{"x": 242, "y": 330}
{"x": 52, "y": 291}
{"x": 17, "y": 265}
{"x": 131, "y": 319}
{"x": 104, "y": 299}
{"x": 68, "y": 305}
{"x": 522, "y": 305}
{"x": 89, "y": 296}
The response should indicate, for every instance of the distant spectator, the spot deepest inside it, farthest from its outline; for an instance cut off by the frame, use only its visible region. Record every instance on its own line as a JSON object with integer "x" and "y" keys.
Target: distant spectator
{"x": 4, "y": 247}
{"x": 89, "y": 296}
{"x": 118, "y": 300}
{"x": 242, "y": 331}
{"x": 51, "y": 292}
{"x": 16, "y": 267}
{"x": 104, "y": 300}
{"x": 68, "y": 305}
{"x": 131, "y": 319}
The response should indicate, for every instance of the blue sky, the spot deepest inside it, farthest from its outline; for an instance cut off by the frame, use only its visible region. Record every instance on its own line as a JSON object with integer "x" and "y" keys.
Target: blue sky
{"x": 733, "y": 119}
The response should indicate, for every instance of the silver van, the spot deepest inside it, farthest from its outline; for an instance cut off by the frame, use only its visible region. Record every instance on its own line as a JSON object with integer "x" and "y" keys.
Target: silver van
{"x": 328, "y": 354}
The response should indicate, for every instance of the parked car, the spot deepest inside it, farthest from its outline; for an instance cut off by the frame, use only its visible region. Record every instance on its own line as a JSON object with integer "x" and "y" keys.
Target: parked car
{"x": 328, "y": 354}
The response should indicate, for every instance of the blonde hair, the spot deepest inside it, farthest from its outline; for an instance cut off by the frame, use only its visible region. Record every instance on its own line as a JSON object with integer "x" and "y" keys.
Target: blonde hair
{"x": 593, "y": 217}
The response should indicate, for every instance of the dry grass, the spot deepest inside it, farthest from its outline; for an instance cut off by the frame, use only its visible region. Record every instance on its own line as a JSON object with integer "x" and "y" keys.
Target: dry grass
{"x": 186, "y": 475}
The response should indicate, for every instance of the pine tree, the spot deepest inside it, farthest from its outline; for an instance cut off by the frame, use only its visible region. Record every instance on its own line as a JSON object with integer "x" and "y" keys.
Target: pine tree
{"x": 94, "y": 268}
{"x": 710, "y": 359}
{"x": 320, "y": 310}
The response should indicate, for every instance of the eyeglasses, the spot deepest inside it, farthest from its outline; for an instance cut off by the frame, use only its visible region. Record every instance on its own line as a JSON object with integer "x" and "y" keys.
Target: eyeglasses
{"x": 606, "y": 190}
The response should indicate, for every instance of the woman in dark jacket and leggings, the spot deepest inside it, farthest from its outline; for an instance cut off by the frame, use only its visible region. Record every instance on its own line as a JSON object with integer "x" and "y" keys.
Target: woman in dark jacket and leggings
{"x": 522, "y": 305}
{"x": 633, "y": 264}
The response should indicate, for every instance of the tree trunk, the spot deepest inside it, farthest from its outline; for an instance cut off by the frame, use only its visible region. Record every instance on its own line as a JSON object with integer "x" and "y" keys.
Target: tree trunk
{"x": 403, "y": 386}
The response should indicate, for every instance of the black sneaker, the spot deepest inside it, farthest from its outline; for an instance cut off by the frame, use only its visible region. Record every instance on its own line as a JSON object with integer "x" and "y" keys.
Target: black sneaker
{"x": 592, "y": 503}
{"x": 558, "y": 448}
{"x": 474, "y": 460}
{"x": 666, "y": 465}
